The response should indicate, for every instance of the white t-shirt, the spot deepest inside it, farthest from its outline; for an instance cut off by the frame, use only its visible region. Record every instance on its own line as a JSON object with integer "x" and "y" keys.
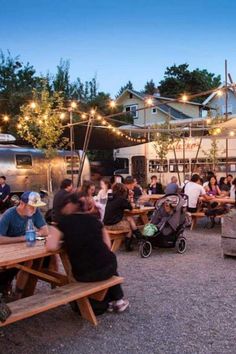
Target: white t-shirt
{"x": 232, "y": 192}
{"x": 193, "y": 191}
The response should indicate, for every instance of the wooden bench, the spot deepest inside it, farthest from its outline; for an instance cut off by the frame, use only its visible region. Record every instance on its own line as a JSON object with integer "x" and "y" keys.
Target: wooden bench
{"x": 199, "y": 215}
{"x": 116, "y": 237}
{"x": 79, "y": 292}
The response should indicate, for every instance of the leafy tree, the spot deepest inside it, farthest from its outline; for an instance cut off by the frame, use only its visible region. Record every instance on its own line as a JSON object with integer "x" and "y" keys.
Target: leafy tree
{"x": 129, "y": 86}
{"x": 17, "y": 80}
{"x": 179, "y": 79}
{"x": 61, "y": 81}
{"x": 150, "y": 87}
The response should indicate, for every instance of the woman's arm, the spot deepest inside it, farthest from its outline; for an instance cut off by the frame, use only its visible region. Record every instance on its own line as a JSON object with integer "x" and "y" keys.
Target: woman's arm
{"x": 106, "y": 238}
{"x": 53, "y": 241}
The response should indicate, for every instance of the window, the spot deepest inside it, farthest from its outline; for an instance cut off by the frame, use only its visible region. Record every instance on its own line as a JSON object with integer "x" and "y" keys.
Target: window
{"x": 133, "y": 110}
{"x": 154, "y": 110}
{"x": 23, "y": 161}
{"x": 158, "y": 166}
{"x": 76, "y": 163}
{"x": 179, "y": 165}
{"x": 130, "y": 95}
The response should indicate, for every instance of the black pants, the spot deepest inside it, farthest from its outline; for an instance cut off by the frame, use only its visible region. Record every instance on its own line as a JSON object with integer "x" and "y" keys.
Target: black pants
{"x": 6, "y": 277}
{"x": 115, "y": 292}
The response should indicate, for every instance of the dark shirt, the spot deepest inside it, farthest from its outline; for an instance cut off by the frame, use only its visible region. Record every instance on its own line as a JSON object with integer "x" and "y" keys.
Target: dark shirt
{"x": 57, "y": 204}
{"x": 224, "y": 187}
{"x": 4, "y": 191}
{"x": 137, "y": 192}
{"x": 156, "y": 189}
{"x": 84, "y": 244}
{"x": 114, "y": 211}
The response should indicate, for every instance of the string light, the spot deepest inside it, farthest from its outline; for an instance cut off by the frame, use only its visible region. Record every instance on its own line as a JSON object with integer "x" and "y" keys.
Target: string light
{"x": 92, "y": 112}
{"x": 5, "y": 118}
{"x": 219, "y": 93}
{"x": 40, "y": 122}
{"x": 149, "y": 101}
{"x": 73, "y": 104}
{"x": 33, "y": 105}
{"x": 19, "y": 126}
{"x": 208, "y": 121}
{"x": 83, "y": 116}
{"x": 26, "y": 118}
{"x": 231, "y": 133}
{"x": 112, "y": 104}
{"x": 184, "y": 98}
{"x": 62, "y": 116}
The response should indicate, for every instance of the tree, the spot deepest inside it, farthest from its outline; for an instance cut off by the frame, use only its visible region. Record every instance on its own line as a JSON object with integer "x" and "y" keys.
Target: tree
{"x": 129, "y": 86}
{"x": 150, "y": 87}
{"x": 40, "y": 124}
{"x": 179, "y": 79}
{"x": 61, "y": 81}
{"x": 17, "y": 80}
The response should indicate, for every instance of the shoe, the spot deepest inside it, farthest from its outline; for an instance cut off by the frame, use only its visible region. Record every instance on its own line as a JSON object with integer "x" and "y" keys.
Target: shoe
{"x": 138, "y": 234}
{"x": 128, "y": 241}
{"x": 110, "y": 307}
{"x": 121, "y": 307}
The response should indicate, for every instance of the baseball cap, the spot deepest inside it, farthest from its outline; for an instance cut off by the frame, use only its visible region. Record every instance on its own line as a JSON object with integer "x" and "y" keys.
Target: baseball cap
{"x": 33, "y": 199}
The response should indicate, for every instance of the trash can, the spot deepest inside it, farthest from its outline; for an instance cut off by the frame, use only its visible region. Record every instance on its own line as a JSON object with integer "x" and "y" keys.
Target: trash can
{"x": 228, "y": 234}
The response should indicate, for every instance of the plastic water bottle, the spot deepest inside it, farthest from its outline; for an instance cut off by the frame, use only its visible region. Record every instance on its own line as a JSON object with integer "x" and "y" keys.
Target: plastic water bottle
{"x": 30, "y": 233}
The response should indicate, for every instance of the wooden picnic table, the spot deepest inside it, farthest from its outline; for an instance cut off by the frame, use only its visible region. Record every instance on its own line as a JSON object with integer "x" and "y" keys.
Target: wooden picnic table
{"x": 141, "y": 213}
{"x": 221, "y": 200}
{"x": 30, "y": 260}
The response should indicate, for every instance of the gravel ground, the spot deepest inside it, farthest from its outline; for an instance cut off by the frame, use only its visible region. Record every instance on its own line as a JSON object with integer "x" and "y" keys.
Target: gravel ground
{"x": 179, "y": 304}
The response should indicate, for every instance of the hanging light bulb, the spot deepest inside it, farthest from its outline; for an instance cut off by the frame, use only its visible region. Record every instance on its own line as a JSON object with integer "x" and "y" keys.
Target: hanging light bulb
{"x": 92, "y": 112}
{"x": 149, "y": 101}
{"x": 219, "y": 93}
{"x": 33, "y": 105}
{"x": 62, "y": 116}
{"x": 112, "y": 104}
{"x": 5, "y": 118}
{"x": 184, "y": 98}
{"x": 83, "y": 116}
{"x": 19, "y": 126}
{"x": 231, "y": 133}
{"x": 26, "y": 118}
{"x": 73, "y": 104}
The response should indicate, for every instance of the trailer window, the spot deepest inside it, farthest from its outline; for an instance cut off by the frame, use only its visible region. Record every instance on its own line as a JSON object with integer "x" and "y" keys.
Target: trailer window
{"x": 74, "y": 163}
{"x": 158, "y": 166}
{"x": 179, "y": 165}
{"x": 23, "y": 161}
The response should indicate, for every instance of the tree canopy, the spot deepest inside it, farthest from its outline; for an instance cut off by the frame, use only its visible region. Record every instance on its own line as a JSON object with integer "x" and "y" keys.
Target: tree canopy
{"x": 179, "y": 79}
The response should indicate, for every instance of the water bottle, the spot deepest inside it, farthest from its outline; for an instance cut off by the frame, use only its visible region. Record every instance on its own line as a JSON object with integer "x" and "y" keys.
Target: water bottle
{"x": 30, "y": 233}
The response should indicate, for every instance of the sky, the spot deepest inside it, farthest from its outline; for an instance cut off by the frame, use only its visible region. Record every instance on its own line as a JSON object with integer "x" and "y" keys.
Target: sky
{"x": 120, "y": 40}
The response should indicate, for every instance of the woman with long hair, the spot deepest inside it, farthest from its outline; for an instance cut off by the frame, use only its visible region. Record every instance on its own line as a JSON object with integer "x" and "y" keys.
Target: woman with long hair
{"x": 88, "y": 247}
{"x": 212, "y": 188}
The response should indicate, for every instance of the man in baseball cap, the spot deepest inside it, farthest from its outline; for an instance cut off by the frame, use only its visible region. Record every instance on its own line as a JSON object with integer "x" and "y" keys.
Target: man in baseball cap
{"x": 13, "y": 226}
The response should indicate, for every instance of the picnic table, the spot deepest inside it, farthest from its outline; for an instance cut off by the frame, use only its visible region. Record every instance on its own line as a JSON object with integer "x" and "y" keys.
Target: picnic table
{"x": 30, "y": 260}
{"x": 141, "y": 213}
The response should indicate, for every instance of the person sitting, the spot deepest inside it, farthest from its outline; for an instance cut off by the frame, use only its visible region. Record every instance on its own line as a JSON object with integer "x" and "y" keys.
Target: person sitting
{"x": 229, "y": 180}
{"x": 233, "y": 190}
{"x": 66, "y": 188}
{"x": 225, "y": 189}
{"x": 12, "y": 230}
{"x": 102, "y": 195}
{"x": 194, "y": 190}
{"x": 154, "y": 187}
{"x": 133, "y": 190}
{"x": 88, "y": 247}
{"x": 114, "y": 218}
{"x": 212, "y": 187}
{"x": 5, "y": 191}
{"x": 172, "y": 187}
{"x": 88, "y": 189}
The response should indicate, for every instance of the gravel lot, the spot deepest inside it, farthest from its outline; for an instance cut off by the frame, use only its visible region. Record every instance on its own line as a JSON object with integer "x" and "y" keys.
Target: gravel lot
{"x": 179, "y": 304}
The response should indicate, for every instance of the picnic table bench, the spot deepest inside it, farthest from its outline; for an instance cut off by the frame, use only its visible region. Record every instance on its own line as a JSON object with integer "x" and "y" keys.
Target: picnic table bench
{"x": 30, "y": 260}
{"x": 117, "y": 237}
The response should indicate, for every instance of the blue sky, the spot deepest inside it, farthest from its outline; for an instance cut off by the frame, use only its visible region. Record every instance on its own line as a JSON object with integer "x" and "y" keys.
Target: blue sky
{"x": 120, "y": 40}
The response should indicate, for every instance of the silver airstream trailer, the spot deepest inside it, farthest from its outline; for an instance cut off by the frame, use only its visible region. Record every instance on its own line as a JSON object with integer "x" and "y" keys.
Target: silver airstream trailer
{"x": 28, "y": 169}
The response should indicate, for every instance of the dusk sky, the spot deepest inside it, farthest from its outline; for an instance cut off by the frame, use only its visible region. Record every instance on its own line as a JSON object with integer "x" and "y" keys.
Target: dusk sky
{"x": 120, "y": 40}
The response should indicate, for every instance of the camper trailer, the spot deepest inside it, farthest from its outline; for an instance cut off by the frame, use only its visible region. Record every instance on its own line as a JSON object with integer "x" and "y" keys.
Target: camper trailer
{"x": 190, "y": 155}
{"x": 28, "y": 169}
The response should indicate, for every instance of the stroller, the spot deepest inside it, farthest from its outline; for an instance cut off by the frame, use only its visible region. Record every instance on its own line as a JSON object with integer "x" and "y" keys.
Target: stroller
{"x": 168, "y": 223}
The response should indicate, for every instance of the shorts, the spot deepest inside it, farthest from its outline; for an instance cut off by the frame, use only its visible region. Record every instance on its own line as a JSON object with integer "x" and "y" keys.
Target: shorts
{"x": 121, "y": 225}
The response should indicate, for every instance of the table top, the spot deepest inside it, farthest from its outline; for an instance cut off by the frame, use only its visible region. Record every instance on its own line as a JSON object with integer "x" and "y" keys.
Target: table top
{"x": 222, "y": 200}
{"x": 154, "y": 196}
{"x": 139, "y": 211}
{"x": 14, "y": 253}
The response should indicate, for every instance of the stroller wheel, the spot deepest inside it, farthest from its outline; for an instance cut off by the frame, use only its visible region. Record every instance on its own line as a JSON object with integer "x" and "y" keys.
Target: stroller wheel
{"x": 181, "y": 245}
{"x": 145, "y": 249}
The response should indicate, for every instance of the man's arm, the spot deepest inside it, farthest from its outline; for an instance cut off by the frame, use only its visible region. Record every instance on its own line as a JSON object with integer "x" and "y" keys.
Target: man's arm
{"x": 43, "y": 231}
{"x": 5, "y": 239}
{"x": 53, "y": 241}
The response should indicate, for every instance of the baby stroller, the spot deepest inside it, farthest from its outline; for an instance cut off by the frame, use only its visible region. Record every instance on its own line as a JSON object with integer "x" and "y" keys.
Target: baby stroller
{"x": 168, "y": 223}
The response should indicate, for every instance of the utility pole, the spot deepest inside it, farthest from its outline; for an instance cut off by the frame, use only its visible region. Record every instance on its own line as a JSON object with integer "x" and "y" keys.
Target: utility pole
{"x": 226, "y": 116}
